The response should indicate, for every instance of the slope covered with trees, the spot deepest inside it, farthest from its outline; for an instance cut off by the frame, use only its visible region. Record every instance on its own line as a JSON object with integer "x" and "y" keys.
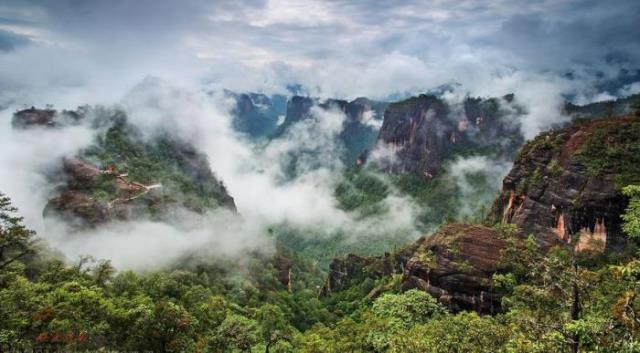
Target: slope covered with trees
{"x": 468, "y": 288}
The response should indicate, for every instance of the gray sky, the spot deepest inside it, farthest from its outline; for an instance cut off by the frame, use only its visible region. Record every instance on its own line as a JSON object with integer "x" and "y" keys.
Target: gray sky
{"x": 97, "y": 49}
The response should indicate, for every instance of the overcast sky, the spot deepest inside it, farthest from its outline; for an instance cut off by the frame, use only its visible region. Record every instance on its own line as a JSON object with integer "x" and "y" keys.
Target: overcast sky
{"x": 95, "y": 50}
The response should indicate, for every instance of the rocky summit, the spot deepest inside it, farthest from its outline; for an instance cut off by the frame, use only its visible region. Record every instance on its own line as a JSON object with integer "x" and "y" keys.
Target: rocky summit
{"x": 123, "y": 176}
{"x": 425, "y": 131}
{"x": 565, "y": 185}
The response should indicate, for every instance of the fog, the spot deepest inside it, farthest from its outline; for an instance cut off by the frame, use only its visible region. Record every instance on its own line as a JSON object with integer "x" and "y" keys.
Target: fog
{"x": 159, "y": 61}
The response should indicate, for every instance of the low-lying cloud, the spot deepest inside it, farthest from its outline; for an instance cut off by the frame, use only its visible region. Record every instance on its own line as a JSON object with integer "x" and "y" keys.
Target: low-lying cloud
{"x": 70, "y": 53}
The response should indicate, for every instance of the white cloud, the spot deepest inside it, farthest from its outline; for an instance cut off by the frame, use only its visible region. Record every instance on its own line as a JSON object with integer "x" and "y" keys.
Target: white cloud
{"x": 95, "y": 52}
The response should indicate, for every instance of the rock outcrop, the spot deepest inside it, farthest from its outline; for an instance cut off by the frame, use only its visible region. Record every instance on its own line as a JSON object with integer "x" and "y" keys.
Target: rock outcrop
{"x": 48, "y": 117}
{"x": 566, "y": 183}
{"x": 123, "y": 175}
{"x": 359, "y": 129}
{"x": 564, "y": 188}
{"x": 456, "y": 265}
{"x": 424, "y": 131}
{"x": 81, "y": 204}
{"x": 257, "y": 115}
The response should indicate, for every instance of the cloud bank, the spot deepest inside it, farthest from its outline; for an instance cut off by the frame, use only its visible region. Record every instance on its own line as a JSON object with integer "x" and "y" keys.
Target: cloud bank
{"x": 70, "y": 53}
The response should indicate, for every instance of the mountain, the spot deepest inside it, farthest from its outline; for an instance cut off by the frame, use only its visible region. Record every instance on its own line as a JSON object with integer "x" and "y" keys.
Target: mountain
{"x": 564, "y": 189}
{"x": 425, "y": 131}
{"x": 124, "y": 175}
{"x": 257, "y": 115}
{"x": 567, "y": 183}
{"x": 359, "y": 129}
{"x": 601, "y": 109}
{"x": 445, "y": 156}
{"x": 548, "y": 270}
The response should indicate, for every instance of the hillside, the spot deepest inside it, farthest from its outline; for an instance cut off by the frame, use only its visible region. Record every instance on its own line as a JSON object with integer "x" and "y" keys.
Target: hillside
{"x": 123, "y": 175}
{"x": 522, "y": 282}
{"x": 567, "y": 183}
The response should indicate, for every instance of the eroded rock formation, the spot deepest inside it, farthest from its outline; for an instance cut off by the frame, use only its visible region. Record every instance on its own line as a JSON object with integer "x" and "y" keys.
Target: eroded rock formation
{"x": 123, "y": 175}
{"x": 456, "y": 265}
{"x": 565, "y": 186}
{"x": 424, "y": 131}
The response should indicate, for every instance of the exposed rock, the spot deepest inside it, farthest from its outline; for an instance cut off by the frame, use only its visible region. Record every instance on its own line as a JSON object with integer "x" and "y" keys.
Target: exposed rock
{"x": 33, "y": 116}
{"x": 78, "y": 208}
{"x": 45, "y": 117}
{"x": 359, "y": 130}
{"x": 456, "y": 265}
{"x": 79, "y": 205}
{"x": 81, "y": 173}
{"x": 284, "y": 267}
{"x": 257, "y": 115}
{"x": 566, "y": 183}
{"x": 424, "y": 131}
{"x": 342, "y": 271}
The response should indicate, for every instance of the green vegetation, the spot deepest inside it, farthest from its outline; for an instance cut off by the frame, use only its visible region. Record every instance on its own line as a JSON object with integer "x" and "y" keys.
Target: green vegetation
{"x": 632, "y": 215}
{"x": 183, "y": 173}
{"x": 204, "y": 307}
{"x": 604, "y": 108}
{"x": 323, "y": 248}
{"x": 613, "y": 148}
{"x": 555, "y": 301}
{"x": 439, "y": 199}
{"x": 362, "y": 190}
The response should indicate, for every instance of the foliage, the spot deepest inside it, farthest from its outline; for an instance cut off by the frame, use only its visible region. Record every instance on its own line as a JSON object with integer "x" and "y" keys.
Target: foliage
{"x": 361, "y": 190}
{"x": 182, "y": 172}
{"x": 407, "y": 309}
{"x": 632, "y": 214}
{"x": 16, "y": 241}
{"x": 613, "y": 148}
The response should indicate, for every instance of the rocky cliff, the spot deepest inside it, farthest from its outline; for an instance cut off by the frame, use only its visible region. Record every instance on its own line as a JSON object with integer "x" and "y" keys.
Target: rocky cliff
{"x": 48, "y": 117}
{"x": 564, "y": 188}
{"x": 565, "y": 184}
{"x": 455, "y": 265}
{"x": 123, "y": 175}
{"x": 257, "y": 115}
{"x": 359, "y": 129}
{"x": 425, "y": 131}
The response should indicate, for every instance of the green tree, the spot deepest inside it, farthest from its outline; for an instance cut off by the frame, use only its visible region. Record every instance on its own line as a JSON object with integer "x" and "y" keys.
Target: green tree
{"x": 273, "y": 325}
{"x": 394, "y": 313}
{"x": 237, "y": 331}
{"x": 169, "y": 327}
{"x": 466, "y": 332}
{"x": 631, "y": 217}
{"x": 407, "y": 309}
{"x": 16, "y": 241}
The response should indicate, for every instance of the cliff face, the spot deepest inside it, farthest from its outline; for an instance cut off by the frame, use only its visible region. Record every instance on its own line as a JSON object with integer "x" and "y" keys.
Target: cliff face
{"x": 564, "y": 188}
{"x": 359, "y": 129}
{"x": 257, "y": 115}
{"x": 32, "y": 117}
{"x": 125, "y": 176}
{"x": 455, "y": 265}
{"x": 424, "y": 131}
{"x": 566, "y": 183}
